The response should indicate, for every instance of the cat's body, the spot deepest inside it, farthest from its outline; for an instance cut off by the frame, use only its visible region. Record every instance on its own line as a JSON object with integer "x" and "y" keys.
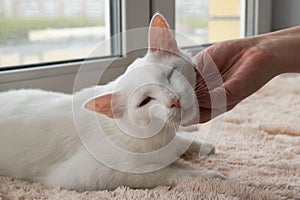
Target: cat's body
{"x": 40, "y": 140}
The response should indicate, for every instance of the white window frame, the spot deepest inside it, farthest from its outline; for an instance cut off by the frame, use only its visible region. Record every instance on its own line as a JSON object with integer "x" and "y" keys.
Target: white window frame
{"x": 258, "y": 16}
{"x": 60, "y": 77}
{"x": 135, "y": 13}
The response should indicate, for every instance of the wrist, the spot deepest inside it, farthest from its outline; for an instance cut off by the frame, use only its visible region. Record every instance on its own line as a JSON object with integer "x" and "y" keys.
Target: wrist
{"x": 282, "y": 48}
{"x": 287, "y": 50}
{"x": 282, "y": 53}
{"x": 267, "y": 50}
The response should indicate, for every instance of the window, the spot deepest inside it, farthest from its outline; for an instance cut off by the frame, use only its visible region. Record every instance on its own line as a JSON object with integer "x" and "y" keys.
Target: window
{"x": 209, "y": 21}
{"x": 35, "y": 32}
{"x": 42, "y": 44}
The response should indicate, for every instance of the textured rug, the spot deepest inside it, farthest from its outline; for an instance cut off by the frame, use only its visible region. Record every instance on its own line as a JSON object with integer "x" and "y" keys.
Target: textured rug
{"x": 258, "y": 151}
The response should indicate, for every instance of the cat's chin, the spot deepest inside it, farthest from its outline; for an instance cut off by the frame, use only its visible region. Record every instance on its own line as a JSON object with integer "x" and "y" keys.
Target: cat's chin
{"x": 174, "y": 123}
{"x": 185, "y": 123}
{"x": 178, "y": 120}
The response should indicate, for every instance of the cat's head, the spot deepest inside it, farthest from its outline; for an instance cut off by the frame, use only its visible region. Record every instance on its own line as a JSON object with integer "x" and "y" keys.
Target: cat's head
{"x": 156, "y": 90}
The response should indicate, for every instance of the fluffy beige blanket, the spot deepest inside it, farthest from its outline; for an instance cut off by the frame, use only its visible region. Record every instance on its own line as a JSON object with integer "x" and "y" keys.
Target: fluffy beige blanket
{"x": 258, "y": 150}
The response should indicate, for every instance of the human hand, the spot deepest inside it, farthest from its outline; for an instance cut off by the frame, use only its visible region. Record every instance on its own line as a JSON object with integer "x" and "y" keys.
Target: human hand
{"x": 230, "y": 71}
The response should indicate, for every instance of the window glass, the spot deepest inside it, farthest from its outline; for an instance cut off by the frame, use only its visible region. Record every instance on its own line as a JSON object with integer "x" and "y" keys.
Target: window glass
{"x": 208, "y": 21}
{"x": 38, "y": 31}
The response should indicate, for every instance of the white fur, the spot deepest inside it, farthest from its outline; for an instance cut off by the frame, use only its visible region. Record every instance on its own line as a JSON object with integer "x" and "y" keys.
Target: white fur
{"x": 39, "y": 138}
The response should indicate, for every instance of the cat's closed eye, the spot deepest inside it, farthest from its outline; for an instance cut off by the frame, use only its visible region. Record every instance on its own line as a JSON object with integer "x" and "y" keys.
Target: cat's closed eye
{"x": 145, "y": 101}
{"x": 170, "y": 74}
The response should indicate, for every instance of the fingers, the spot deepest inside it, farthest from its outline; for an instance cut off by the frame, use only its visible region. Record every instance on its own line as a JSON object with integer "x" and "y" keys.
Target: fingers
{"x": 207, "y": 70}
{"x": 211, "y": 97}
{"x": 209, "y": 88}
{"x": 214, "y": 104}
{"x": 205, "y": 115}
{"x": 215, "y": 99}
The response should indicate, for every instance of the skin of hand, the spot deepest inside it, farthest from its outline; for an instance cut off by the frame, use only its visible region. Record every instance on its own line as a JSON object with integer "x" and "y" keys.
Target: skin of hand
{"x": 235, "y": 69}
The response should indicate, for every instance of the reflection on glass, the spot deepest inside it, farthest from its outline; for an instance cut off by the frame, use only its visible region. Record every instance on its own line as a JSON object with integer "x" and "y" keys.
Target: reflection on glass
{"x": 35, "y": 31}
{"x": 208, "y": 21}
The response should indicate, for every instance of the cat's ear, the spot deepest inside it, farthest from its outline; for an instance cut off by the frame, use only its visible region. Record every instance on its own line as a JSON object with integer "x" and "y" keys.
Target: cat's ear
{"x": 161, "y": 38}
{"x": 107, "y": 105}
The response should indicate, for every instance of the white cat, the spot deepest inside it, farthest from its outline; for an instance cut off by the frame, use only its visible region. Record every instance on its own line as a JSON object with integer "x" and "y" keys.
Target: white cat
{"x": 56, "y": 138}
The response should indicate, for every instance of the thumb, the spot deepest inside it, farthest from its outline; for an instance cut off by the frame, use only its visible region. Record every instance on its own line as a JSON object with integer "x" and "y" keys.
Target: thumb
{"x": 212, "y": 104}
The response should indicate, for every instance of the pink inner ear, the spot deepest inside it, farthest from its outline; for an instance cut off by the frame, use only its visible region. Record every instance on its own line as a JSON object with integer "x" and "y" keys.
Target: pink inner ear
{"x": 160, "y": 36}
{"x": 105, "y": 105}
{"x": 158, "y": 21}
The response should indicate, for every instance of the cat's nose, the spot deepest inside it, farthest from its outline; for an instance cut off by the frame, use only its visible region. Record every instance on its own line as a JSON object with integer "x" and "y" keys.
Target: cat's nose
{"x": 174, "y": 103}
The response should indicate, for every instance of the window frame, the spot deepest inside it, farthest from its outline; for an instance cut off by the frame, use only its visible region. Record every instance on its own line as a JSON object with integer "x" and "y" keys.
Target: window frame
{"x": 258, "y": 16}
{"x": 60, "y": 77}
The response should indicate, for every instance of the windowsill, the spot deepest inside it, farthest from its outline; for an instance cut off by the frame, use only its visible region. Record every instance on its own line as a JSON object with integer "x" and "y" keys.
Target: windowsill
{"x": 57, "y": 76}
{"x": 61, "y": 76}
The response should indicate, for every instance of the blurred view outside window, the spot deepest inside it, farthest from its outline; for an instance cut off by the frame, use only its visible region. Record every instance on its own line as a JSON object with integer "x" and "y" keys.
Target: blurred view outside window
{"x": 209, "y": 21}
{"x": 36, "y": 31}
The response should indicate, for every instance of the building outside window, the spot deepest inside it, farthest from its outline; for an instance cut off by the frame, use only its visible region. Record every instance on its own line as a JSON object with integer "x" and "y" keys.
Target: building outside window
{"x": 209, "y": 21}
{"x": 43, "y": 43}
{"x": 36, "y": 31}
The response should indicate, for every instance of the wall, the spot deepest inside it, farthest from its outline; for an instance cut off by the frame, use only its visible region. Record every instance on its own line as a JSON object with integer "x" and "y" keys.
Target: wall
{"x": 285, "y": 13}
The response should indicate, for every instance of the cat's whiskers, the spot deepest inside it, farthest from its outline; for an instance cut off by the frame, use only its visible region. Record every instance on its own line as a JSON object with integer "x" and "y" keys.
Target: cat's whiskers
{"x": 164, "y": 135}
{"x": 169, "y": 129}
{"x": 201, "y": 91}
{"x": 200, "y": 85}
{"x": 173, "y": 125}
